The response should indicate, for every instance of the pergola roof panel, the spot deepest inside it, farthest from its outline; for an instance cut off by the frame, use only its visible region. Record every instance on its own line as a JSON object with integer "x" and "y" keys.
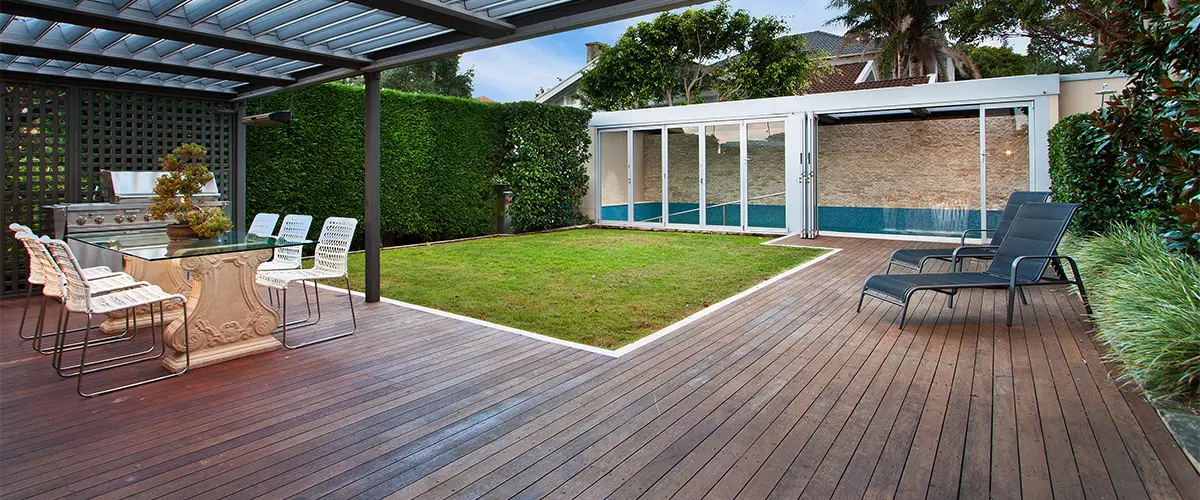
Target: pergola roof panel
{"x": 252, "y": 46}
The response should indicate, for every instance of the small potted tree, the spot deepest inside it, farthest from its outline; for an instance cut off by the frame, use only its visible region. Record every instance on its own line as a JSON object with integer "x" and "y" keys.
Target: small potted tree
{"x": 185, "y": 176}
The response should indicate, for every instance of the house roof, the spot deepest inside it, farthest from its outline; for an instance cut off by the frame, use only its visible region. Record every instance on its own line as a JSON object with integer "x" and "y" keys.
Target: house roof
{"x": 845, "y": 77}
{"x": 245, "y": 48}
{"x": 833, "y": 44}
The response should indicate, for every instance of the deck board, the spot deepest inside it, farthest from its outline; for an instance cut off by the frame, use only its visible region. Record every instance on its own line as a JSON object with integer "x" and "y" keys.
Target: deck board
{"x": 786, "y": 393}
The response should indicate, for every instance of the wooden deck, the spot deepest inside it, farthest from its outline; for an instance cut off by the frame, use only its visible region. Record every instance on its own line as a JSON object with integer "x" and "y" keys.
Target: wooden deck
{"x": 787, "y": 393}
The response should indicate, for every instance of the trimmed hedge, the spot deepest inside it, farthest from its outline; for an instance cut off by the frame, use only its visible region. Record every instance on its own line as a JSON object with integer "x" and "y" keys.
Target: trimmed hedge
{"x": 439, "y": 159}
{"x": 544, "y": 165}
{"x": 1083, "y": 170}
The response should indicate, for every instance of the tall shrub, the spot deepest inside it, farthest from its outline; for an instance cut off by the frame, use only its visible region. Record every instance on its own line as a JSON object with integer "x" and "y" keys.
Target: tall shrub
{"x": 1084, "y": 170}
{"x": 546, "y": 151}
{"x": 1154, "y": 123}
{"x": 438, "y": 157}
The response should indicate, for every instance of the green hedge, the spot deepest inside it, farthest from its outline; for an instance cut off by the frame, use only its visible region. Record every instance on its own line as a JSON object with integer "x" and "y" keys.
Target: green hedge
{"x": 1083, "y": 170}
{"x": 545, "y": 164}
{"x": 439, "y": 159}
{"x": 1147, "y": 307}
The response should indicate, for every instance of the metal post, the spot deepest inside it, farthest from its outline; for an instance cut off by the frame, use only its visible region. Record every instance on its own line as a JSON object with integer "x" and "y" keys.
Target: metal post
{"x": 371, "y": 155}
{"x": 239, "y": 169}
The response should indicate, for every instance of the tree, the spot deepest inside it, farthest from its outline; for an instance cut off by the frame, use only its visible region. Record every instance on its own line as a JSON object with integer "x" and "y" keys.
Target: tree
{"x": 676, "y": 57}
{"x": 1064, "y": 35}
{"x": 994, "y": 62}
{"x": 907, "y": 31}
{"x": 438, "y": 76}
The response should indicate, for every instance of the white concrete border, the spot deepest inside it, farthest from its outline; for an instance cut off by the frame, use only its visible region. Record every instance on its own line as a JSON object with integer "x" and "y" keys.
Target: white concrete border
{"x": 628, "y": 348}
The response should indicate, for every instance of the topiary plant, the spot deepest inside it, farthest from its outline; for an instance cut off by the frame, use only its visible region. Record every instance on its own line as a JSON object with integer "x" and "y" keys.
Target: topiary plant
{"x": 185, "y": 176}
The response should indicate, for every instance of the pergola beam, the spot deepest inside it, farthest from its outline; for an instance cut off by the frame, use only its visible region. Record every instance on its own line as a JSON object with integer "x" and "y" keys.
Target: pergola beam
{"x": 59, "y": 78}
{"x": 145, "y": 24}
{"x": 44, "y": 51}
{"x": 445, "y": 15}
{"x": 542, "y": 22}
{"x": 371, "y": 178}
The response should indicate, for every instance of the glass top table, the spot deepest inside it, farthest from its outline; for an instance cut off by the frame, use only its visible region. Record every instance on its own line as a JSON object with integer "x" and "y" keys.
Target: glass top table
{"x": 154, "y": 244}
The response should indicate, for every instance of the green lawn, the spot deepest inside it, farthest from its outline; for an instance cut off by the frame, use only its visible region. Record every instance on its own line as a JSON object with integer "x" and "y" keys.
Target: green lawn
{"x": 601, "y": 287}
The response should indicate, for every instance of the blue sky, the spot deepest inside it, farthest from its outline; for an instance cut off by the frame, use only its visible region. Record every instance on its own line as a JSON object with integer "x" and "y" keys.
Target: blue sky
{"x": 516, "y": 71}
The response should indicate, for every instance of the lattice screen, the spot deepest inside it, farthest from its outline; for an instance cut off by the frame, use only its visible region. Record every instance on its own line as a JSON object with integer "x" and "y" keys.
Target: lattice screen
{"x": 35, "y": 166}
{"x": 57, "y": 139}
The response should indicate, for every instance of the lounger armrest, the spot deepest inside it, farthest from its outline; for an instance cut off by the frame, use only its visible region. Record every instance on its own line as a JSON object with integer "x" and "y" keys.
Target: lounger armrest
{"x": 963, "y": 240}
{"x": 1017, "y": 262}
{"x": 954, "y": 255}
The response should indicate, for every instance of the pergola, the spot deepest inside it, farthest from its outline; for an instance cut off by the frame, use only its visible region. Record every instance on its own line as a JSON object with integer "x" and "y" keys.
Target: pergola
{"x": 233, "y": 50}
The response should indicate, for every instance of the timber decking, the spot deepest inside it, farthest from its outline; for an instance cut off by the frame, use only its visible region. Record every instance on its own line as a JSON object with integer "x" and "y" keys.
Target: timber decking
{"x": 786, "y": 393}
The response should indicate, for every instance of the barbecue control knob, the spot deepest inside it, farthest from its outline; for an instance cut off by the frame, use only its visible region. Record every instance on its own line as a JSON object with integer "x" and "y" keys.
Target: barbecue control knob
{"x": 99, "y": 219}
{"x": 119, "y": 218}
{"x": 146, "y": 217}
{"x": 80, "y": 220}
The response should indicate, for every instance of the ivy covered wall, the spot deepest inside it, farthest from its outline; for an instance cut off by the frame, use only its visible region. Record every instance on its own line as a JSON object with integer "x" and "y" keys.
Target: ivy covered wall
{"x": 439, "y": 158}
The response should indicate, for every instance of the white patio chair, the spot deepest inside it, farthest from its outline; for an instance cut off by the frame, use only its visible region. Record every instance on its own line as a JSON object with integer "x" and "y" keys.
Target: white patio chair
{"x": 51, "y": 278}
{"x": 263, "y": 224}
{"x": 332, "y": 252}
{"x": 36, "y": 276}
{"x": 78, "y": 297}
{"x": 295, "y": 227}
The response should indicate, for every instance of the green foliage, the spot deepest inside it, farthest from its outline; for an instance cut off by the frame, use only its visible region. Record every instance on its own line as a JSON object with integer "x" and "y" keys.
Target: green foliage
{"x": 186, "y": 176}
{"x": 1147, "y": 307}
{"x": 1083, "y": 170}
{"x": 676, "y": 57}
{"x": 545, "y": 164}
{"x": 1065, "y": 36}
{"x": 439, "y": 157}
{"x": 437, "y": 76}
{"x": 908, "y": 32}
{"x": 1154, "y": 123}
{"x": 995, "y": 62}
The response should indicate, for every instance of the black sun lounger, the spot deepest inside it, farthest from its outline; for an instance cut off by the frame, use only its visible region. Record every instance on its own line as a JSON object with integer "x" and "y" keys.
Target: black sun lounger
{"x": 915, "y": 258}
{"x": 1020, "y": 261}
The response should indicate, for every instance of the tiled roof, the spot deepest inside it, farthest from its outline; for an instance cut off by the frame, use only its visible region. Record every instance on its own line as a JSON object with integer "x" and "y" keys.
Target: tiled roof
{"x": 832, "y": 44}
{"x": 842, "y": 79}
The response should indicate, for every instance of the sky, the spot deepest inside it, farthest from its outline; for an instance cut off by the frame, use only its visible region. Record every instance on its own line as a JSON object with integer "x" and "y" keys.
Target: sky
{"x": 515, "y": 72}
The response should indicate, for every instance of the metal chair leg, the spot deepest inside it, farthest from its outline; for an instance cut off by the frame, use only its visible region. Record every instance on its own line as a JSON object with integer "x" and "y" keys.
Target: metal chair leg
{"x": 62, "y": 323}
{"x": 1012, "y": 297}
{"x": 186, "y": 356}
{"x": 1021, "y": 293}
{"x": 25, "y": 312}
{"x": 861, "y": 296}
{"x": 353, "y": 319}
{"x": 140, "y": 354}
{"x": 903, "y": 312}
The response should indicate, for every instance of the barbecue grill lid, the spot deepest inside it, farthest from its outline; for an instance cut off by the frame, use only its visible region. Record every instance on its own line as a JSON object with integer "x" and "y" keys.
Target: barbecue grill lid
{"x": 116, "y": 186}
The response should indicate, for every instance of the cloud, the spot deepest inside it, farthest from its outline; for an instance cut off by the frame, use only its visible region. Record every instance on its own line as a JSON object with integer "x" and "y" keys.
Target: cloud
{"x": 516, "y": 71}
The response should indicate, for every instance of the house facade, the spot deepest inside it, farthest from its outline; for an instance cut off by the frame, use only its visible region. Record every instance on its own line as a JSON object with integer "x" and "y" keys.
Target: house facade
{"x": 924, "y": 161}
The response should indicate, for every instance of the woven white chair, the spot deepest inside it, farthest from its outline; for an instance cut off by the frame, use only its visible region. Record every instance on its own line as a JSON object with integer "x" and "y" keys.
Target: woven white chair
{"x": 295, "y": 227}
{"x": 78, "y": 297}
{"x": 332, "y": 252}
{"x": 263, "y": 224}
{"x": 52, "y": 278}
{"x": 36, "y": 276}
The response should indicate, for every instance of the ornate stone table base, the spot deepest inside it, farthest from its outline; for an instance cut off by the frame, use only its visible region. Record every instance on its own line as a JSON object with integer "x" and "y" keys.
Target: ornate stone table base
{"x": 227, "y": 318}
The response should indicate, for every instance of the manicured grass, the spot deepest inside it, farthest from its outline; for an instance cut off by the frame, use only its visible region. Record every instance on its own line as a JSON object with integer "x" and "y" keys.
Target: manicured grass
{"x": 601, "y": 287}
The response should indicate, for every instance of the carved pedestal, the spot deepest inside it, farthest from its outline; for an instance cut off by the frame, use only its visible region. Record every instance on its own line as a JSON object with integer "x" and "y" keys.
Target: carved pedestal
{"x": 227, "y": 318}
{"x": 167, "y": 275}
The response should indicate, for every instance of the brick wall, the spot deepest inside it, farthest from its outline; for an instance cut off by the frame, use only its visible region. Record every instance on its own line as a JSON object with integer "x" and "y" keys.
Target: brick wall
{"x": 724, "y": 169}
{"x": 920, "y": 164}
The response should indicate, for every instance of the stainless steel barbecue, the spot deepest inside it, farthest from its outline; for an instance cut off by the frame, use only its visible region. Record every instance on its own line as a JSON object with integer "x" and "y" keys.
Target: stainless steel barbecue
{"x": 127, "y": 196}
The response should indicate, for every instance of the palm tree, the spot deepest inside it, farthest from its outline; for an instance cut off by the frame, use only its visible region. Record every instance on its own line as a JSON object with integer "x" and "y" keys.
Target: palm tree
{"x": 908, "y": 33}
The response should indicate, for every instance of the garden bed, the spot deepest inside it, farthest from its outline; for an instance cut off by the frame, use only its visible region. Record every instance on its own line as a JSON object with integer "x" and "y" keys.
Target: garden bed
{"x": 601, "y": 287}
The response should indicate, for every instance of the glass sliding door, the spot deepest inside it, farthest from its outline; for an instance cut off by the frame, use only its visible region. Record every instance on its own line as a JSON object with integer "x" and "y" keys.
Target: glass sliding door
{"x": 765, "y": 175}
{"x": 614, "y": 182}
{"x": 683, "y": 175}
{"x": 723, "y": 176}
{"x": 647, "y": 176}
{"x": 1005, "y": 157}
{"x": 906, "y": 172}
